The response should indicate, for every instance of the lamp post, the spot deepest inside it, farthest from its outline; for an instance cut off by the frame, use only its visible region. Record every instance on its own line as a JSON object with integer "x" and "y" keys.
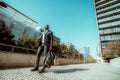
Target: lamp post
{"x": 83, "y": 53}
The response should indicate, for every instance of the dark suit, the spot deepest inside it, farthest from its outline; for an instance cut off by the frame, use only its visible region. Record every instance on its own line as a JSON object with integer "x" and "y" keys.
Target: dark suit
{"x": 44, "y": 46}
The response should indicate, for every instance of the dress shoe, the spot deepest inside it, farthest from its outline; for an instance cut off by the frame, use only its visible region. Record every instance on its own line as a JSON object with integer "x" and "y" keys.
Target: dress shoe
{"x": 35, "y": 69}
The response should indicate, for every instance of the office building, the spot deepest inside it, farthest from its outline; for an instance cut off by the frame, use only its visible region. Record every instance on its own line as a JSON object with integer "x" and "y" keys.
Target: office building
{"x": 108, "y": 22}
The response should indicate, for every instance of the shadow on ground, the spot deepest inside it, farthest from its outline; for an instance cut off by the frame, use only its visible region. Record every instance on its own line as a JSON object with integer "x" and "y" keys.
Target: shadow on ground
{"x": 69, "y": 70}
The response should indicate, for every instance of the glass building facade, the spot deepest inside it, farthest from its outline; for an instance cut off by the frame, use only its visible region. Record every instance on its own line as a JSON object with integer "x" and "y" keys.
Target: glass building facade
{"x": 17, "y": 21}
{"x": 108, "y": 21}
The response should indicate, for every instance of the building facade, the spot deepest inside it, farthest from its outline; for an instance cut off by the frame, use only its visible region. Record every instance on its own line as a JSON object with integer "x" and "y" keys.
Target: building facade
{"x": 18, "y": 22}
{"x": 108, "y": 21}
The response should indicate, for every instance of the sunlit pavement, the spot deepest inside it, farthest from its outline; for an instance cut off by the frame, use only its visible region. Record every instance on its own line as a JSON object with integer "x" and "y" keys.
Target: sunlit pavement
{"x": 94, "y": 71}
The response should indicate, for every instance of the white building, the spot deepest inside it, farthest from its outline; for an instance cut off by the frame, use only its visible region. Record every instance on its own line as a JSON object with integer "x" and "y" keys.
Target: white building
{"x": 108, "y": 21}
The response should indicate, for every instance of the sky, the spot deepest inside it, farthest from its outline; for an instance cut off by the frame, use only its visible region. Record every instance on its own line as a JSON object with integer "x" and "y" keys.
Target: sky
{"x": 73, "y": 21}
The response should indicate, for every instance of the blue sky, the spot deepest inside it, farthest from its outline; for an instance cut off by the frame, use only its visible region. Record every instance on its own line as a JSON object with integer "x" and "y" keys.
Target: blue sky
{"x": 73, "y": 21}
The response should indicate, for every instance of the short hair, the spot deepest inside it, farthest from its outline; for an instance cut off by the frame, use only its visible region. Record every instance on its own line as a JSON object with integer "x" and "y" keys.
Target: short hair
{"x": 47, "y": 25}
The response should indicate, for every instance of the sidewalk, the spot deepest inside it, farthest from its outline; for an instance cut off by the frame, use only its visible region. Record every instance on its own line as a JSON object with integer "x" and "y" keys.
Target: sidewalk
{"x": 115, "y": 62}
{"x": 94, "y": 71}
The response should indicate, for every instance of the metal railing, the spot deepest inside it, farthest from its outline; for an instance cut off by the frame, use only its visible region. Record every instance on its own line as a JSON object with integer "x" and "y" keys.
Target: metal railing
{"x": 13, "y": 47}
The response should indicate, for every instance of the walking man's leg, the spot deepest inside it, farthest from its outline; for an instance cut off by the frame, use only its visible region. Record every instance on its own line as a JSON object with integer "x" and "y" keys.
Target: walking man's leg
{"x": 46, "y": 48}
{"x": 38, "y": 54}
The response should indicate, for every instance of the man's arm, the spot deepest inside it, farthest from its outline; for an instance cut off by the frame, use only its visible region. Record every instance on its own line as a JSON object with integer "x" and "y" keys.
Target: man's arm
{"x": 51, "y": 41}
{"x": 39, "y": 39}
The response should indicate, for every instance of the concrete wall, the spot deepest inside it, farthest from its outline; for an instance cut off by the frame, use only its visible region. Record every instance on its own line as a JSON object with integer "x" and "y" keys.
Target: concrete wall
{"x": 10, "y": 59}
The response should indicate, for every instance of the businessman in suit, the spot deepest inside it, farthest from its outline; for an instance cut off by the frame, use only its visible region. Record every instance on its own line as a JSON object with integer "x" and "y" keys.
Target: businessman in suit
{"x": 45, "y": 46}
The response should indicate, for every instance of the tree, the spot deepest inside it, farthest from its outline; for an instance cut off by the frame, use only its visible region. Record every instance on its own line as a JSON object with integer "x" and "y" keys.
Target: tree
{"x": 63, "y": 48}
{"x": 28, "y": 42}
{"x": 90, "y": 58}
{"x": 74, "y": 52}
{"x": 22, "y": 40}
{"x": 56, "y": 47}
{"x": 66, "y": 52}
{"x": 6, "y": 35}
{"x": 32, "y": 43}
{"x": 112, "y": 50}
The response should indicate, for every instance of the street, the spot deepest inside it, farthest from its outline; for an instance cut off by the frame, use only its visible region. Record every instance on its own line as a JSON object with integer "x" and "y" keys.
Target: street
{"x": 93, "y": 71}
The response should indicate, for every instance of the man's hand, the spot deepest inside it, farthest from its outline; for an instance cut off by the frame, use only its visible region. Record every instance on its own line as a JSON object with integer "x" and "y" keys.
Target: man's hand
{"x": 39, "y": 37}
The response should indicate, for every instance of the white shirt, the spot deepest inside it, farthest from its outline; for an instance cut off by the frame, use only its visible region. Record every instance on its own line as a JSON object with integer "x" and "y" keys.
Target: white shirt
{"x": 43, "y": 37}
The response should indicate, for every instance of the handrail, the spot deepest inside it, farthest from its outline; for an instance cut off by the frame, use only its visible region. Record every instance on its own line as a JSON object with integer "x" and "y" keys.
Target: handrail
{"x": 12, "y": 46}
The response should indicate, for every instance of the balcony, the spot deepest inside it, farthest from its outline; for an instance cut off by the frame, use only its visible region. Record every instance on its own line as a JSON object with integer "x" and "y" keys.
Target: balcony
{"x": 109, "y": 9}
{"x": 109, "y": 18}
{"x": 101, "y": 2}
{"x": 108, "y": 41}
{"x": 113, "y": 20}
{"x": 114, "y": 33}
{"x": 97, "y": 0}
{"x": 109, "y": 27}
{"x": 102, "y": 11}
{"x": 110, "y": 30}
{"x": 109, "y": 24}
{"x": 109, "y": 15}
{"x": 108, "y": 4}
{"x": 106, "y": 38}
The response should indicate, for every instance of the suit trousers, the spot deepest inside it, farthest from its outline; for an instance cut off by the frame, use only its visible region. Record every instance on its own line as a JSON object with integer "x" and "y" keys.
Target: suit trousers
{"x": 41, "y": 49}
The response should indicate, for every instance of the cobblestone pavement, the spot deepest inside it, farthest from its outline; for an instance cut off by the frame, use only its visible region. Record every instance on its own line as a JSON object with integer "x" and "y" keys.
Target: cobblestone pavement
{"x": 65, "y": 72}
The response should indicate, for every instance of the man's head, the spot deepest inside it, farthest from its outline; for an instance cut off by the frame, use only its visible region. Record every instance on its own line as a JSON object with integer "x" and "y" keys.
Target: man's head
{"x": 46, "y": 27}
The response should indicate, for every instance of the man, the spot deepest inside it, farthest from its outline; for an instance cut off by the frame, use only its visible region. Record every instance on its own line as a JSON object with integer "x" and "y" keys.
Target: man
{"x": 45, "y": 46}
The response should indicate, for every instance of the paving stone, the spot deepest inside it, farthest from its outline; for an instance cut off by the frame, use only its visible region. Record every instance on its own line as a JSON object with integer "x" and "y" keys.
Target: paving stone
{"x": 96, "y": 71}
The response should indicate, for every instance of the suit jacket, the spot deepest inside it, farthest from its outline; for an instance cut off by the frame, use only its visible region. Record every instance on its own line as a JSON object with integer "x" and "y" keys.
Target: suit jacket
{"x": 48, "y": 40}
